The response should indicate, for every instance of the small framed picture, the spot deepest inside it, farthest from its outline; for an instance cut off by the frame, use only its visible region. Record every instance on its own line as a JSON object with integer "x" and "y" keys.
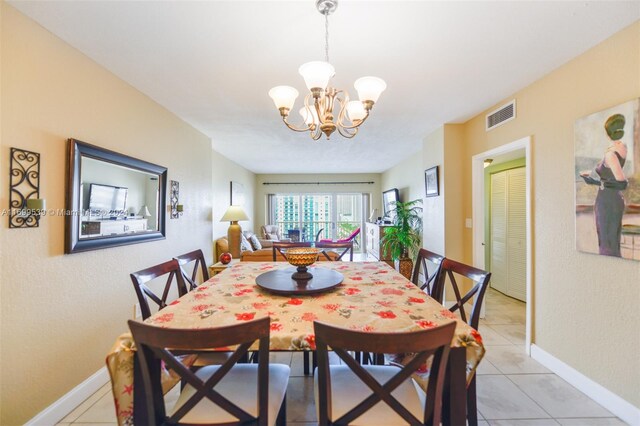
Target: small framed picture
{"x": 432, "y": 182}
{"x": 237, "y": 194}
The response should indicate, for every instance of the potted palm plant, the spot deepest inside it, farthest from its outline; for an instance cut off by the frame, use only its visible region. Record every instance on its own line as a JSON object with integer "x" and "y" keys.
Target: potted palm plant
{"x": 402, "y": 240}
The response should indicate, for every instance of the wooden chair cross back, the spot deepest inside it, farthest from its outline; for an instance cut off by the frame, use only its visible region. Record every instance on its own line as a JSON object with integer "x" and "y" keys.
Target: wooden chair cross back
{"x": 340, "y": 248}
{"x": 198, "y": 257}
{"x": 152, "y": 345}
{"x": 281, "y": 247}
{"x": 144, "y": 293}
{"x": 425, "y": 256}
{"x": 480, "y": 279}
{"x": 423, "y": 343}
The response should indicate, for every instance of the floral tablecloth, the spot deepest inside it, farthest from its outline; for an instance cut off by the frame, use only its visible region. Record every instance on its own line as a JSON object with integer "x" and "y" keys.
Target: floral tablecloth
{"x": 372, "y": 297}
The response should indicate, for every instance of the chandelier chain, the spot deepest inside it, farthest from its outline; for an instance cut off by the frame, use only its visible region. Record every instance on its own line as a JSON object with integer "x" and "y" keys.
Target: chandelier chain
{"x": 326, "y": 35}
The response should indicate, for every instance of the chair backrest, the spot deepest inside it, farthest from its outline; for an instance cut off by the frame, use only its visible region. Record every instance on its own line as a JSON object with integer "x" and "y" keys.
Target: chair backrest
{"x": 153, "y": 343}
{"x": 144, "y": 293}
{"x": 449, "y": 269}
{"x": 339, "y": 248}
{"x": 430, "y": 279}
{"x": 198, "y": 257}
{"x": 318, "y": 234}
{"x": 424, "y": 343}
{"x": 281, "y": 247}
{"x": 270, "y": 230}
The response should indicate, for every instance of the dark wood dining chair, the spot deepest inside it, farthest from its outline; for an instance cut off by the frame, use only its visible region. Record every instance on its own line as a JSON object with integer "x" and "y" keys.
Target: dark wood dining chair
{"x": 449, "y": 269}
{"x": 340, "y": 249}
{"x": 174, "y": 275}
{"x": 217, "y": 394}
{"x": 194, "y": 256}
{"x": 144, "y": 293}
{"x": 429, "y": 262}
{"x": 364, "y": 392}
{"x": 281, "y": 247}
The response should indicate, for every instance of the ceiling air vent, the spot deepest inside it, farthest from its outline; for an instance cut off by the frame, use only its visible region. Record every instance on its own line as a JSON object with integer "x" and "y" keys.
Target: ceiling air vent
{"x": 501, "y": 115}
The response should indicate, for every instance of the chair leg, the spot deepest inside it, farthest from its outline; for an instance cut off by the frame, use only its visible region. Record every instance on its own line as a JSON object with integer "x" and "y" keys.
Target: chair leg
{"x": 281, "y": 420}
{"x": 305, "y": 361}
{"x": 314, "y": 360}
{"x": 472, "y": 409}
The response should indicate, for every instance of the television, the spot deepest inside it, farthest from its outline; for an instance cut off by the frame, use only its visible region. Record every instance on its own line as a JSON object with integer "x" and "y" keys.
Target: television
{"x": 388, "y": 199}
{"x": 107, "y": 199}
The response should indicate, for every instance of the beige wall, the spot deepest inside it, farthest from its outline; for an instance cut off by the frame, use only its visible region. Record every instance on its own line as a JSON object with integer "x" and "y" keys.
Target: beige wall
{"x": 3, "y": 170}
{"x": 225, "y": 171}
{"x": 584, "y": 305}
{"x": 263, "y": 190}
{"x": 61, "y": 313}
{"x": 443, "y": 219}
{"x": 433, "y": 221}
{"x": 455, "y": 186}
{"x": 407, "y": 177}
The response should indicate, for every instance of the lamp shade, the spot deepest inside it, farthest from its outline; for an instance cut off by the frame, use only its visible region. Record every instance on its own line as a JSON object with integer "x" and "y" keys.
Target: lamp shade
{"x": 370, "y": 88}
{"x": 317, "y": 74}
{"x": 356, "y": 111}
{"x": 309, "y": 118}
{"x": 144, "y": 212}
{"x": 283, "y": 96}
{"x": 234, "y": 214}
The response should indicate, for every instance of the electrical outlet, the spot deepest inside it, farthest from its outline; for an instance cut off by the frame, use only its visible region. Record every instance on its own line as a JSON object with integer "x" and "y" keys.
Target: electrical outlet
{"x": 468, "y": 223}
{"x": 137, "y": 313}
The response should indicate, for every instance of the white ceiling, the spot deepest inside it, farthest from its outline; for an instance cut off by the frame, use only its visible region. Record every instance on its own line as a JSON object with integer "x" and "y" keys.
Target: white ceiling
{"x": 212, "y": 64}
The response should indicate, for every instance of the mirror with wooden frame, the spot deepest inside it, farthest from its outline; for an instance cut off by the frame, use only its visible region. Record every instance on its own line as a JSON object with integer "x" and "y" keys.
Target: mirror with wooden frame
{"x": 112, "y": 199}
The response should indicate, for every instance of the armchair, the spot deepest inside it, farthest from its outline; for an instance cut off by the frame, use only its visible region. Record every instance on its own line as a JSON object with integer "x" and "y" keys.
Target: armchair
{"x": 272, "y": 232}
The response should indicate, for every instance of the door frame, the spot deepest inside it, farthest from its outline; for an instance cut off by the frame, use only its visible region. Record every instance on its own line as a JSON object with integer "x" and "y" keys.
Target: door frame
{"x": 478, "y": 207}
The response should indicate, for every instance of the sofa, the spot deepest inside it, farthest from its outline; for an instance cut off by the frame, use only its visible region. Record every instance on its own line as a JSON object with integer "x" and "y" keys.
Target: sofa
{"x": 250, "y": 253}
{"x": 263, "y": 254}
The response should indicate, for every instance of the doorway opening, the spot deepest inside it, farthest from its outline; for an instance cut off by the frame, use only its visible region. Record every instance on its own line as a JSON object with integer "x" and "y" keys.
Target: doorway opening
{"x": 502, "y": 237}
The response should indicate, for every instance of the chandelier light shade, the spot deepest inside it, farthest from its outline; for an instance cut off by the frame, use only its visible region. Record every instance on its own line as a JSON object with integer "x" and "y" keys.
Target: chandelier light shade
{"x": 369, "y": 88}
{"x": 327, "y": 109}
{"x": 356, "y": 111}
{"x": 317, "y": 74}
{"x": 283, "y": 96}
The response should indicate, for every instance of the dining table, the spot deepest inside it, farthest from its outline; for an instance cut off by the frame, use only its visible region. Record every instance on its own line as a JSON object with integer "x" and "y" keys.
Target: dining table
{"x": 373, "y": 297}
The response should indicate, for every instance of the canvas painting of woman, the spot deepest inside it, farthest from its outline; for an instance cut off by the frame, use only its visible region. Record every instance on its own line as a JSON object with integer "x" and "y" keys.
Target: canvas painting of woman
{"x": 607, "y": 169}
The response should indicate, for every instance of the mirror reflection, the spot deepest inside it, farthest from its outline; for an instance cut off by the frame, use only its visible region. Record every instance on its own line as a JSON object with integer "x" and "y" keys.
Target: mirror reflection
{"x": 117, "y": 200}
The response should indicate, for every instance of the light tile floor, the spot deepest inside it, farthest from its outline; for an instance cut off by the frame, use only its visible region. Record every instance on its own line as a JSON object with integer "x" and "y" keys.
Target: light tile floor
{"x": 513, "y": 389}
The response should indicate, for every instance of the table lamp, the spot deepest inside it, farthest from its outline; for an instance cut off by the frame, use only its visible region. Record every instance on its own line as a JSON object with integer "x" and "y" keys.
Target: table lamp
{"x": 144, "y": 211}
{"x": 233, "y": 215}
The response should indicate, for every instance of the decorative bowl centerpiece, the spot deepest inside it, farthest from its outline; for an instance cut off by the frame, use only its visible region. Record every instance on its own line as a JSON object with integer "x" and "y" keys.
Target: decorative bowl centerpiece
{"x": 301, "y": 257}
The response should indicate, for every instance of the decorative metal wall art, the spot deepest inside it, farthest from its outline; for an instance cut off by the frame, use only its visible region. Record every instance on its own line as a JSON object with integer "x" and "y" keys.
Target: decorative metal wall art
{"x": 24, "y": 184}
{"x": 174, "y": 194}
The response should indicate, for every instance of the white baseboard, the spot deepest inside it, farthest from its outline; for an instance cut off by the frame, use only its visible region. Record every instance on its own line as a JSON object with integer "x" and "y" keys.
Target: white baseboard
{"x": 76, "y": 396}
{"x": 603, "y": 396}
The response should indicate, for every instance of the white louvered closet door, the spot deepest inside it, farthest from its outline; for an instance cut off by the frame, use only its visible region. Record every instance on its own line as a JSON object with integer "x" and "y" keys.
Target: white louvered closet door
{"x": 508, "y": 233}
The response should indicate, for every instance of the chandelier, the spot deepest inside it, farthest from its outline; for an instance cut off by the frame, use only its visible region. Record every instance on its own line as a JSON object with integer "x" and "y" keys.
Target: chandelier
{"x": 321, "y": 101}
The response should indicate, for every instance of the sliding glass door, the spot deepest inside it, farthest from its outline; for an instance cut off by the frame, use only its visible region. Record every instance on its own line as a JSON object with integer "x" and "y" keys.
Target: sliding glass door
{"x": 308, "y": 217}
